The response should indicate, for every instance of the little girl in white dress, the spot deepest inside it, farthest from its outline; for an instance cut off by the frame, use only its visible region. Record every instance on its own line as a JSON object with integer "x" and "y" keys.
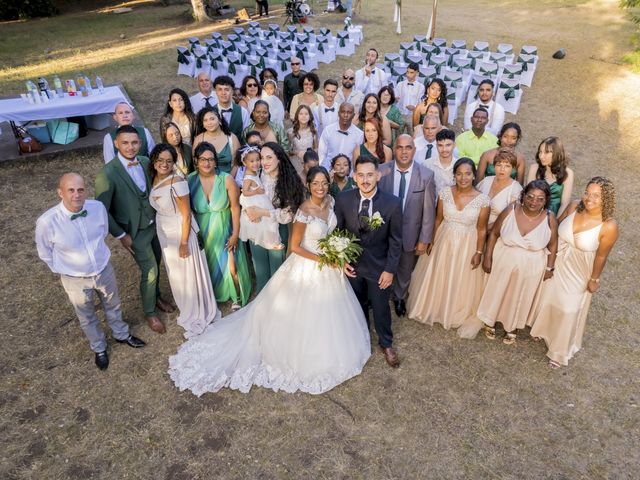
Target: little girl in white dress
{"x": 265, "y": 232}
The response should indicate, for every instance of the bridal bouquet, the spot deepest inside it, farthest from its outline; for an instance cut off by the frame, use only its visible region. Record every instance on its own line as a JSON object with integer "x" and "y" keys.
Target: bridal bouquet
{"x": 338, "y": 248}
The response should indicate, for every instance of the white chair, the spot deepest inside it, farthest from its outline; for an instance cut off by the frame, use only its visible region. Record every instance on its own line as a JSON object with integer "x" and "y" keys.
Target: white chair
{"x": 438, "y": 62}
{"x": 498, "y": 58}
{"x": 512, "y": 71}
{"x": 416, "y": 57}
{"x": 529, "y": 50}
{"x": 405, "y": 49}
{"x": 428, "y": 50}
{"x": 193, "y": 42}
{"x": 509, "y": 95}
{"x": 454, "y": 79}
{"x": 398, "y": 72}
{"x": 238, "y": 30}
{"x": 481, "y": 46}
{"x": 309, "y": 59}
{"x": 186, "y": 62}
{"x": 425, "y": 74}
{"x": 462, "y": 44}
{"x": 325, "y": 51}
{"x": 487, "y": 69}
{"x": 219, "y": 66}
{"x": 529, "y": 64}
{"x": 460, "y": 63}
{"x": 439, "y": 43}
{"x": 477, "y": 55}
{"x": 474, "y": 82}
{"x": 355, "y": 34}
{"x": 453, "y": 103}
{"x": 507, "y": 49}
{"x": 420, "y": 40}
{"x": 344, "y": 45}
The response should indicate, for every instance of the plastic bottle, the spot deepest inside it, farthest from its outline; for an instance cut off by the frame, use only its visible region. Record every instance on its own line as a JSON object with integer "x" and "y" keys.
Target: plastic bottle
{"x": 82, "y": 85}
{"x": 100, "y": 84}
{"x": 58, "y": 86}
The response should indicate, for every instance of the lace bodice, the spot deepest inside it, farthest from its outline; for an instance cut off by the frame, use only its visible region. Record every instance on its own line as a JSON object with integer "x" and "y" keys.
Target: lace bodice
{"x": 466, "y": 218}
{"x": 316, "y": 229}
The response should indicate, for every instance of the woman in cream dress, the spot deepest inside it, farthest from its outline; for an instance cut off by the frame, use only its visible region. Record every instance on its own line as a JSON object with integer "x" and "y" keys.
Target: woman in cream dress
{"x": 446, "y": 284}
{"x": 501, "y": 188}
{"x": 587, "y": 233}
{"x": 520, "y": 254}
{"x": 185, "y": 262}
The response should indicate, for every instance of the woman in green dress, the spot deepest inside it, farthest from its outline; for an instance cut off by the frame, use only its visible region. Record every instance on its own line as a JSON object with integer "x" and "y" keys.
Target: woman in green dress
{"x": 213, "y": 129}
{"x": 214, "y": 201}
{"x": 551, "y": 166}
{"x": 341, "y": 175}
{"x": 389, "y": 110}
{"x": 510, "y": 135}
{"x": 373, "y": 145}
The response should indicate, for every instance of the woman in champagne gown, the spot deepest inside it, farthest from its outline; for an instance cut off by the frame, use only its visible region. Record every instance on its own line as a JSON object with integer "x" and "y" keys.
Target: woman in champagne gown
{"x": 310, "y": 341}
{"x": 446, "y": 284}
{"x": 587, "y": 233}
{"x": 520, "y": 254}
{"x": 185, "y": 263}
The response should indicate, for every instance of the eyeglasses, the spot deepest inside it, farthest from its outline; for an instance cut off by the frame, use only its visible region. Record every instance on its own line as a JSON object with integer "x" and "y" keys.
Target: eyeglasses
{"x": 206, "y": 159}
{"x": 319, "y": 184}
{"x": 295, "y": 63}
{"x": 164, "y": 162}
{"x": 534, "y": 198}
{"x": 252, "y": 84}
{"x": 344, "y": 77}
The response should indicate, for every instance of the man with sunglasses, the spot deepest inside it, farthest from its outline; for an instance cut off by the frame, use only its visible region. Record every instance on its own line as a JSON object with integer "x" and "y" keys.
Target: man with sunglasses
{"x": 291, "y": 82}
{"x": 347, "y": 92}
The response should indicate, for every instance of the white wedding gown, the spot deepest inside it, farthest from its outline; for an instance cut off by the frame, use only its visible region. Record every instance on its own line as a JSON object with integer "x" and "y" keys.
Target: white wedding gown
{"x": 304, "y": 331}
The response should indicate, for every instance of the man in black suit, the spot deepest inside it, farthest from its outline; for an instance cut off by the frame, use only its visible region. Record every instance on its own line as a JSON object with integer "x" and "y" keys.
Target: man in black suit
{"x": 376, "y": 218}
{"x": 414, "y": 185}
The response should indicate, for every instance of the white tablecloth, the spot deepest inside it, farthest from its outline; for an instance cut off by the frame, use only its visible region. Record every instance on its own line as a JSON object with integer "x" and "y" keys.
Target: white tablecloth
{"x": 18, "y": 110}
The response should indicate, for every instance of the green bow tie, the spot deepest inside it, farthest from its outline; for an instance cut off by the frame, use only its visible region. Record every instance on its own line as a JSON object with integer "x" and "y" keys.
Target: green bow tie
{"x": 83, "y": 213}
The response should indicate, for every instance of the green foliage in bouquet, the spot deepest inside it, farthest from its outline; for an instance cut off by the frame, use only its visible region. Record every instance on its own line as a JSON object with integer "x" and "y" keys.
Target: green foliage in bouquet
{"x": 338, "y": 248}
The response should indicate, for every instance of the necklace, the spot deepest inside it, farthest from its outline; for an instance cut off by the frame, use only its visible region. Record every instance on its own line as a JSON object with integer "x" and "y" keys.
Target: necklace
{"x": 531, "y": 219}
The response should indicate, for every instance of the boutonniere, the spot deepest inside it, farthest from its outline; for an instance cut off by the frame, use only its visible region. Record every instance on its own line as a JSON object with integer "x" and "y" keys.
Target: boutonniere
{"x": 375, "y": 221}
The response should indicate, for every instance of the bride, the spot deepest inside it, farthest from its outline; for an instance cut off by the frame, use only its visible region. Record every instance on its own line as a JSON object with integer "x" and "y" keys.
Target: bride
{"x": 304, "y": 331}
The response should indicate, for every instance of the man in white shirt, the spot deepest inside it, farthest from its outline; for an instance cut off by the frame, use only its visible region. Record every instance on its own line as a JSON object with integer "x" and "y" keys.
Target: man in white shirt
{"x": 409, "y": 92}
{"x": 205, "y": 97}
{"x": 70, "y": 239}
{"x": 340, "y": 137}
{"x": 371, "y": 78}
{"x": 442, "y": 165}
{"x": 426, "y": 149}
{"x": 236, "y": 116}
{"x": 124, "y": 115}
{"x": 347, "y": 93}
{"x": 327, "y": 112}
{"x": 494, "y": 109}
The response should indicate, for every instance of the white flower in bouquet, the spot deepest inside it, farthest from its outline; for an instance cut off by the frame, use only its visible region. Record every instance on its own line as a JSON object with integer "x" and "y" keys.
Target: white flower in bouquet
{"x": 338, "y": 248}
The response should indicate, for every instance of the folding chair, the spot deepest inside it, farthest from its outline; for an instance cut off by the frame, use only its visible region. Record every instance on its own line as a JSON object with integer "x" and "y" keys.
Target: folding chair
{"x": 509, "y": 94}
{"x": 186, "y": 62}
{"x": 529, "y": 64}
{"x": 481, "y": 46}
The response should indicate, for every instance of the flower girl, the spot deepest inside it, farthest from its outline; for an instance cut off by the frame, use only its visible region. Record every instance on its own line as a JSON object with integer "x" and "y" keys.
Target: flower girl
{"x": 264, "y": 233}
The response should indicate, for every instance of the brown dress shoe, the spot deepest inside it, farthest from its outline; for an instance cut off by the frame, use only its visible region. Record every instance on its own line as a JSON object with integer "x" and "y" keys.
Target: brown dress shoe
{"x": 164, "y": 306}
{"x": 391, "y": 357}
{"x": 155, "y": 324}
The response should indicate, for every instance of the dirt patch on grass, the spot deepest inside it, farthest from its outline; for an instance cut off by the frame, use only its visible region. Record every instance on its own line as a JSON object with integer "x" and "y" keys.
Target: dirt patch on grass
{"x": 455, "y": 409}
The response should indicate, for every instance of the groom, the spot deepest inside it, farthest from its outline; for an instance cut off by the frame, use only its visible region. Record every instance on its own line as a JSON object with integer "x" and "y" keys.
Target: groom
{"x": 376, "y": 218}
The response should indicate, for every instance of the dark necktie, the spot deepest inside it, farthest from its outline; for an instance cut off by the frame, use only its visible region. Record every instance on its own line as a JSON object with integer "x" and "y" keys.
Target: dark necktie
{"x": 427, "y": 156}
{"x": 343, "y": 132}
{"x": 363, "y": 215}
{"x": 403, "y": 186}
{"x": 332, "y": 109}
{"x": 226, "y": 110}
{"x": 83, "y": 213}
{"x": 207, "y": 102}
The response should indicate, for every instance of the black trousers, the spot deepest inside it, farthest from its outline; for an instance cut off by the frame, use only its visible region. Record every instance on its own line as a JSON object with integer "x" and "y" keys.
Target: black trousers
{"x": 263, "y": 5}
{"x": 369, "y": 293}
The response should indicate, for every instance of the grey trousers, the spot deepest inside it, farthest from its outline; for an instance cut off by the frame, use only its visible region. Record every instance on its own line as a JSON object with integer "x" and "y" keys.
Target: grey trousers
{"x": 403, "y": 275}
{"x": 81, "y": 292}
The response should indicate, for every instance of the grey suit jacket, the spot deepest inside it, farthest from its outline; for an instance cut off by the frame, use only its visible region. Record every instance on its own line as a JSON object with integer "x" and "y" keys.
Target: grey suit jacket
{"x": 419, "y": 213}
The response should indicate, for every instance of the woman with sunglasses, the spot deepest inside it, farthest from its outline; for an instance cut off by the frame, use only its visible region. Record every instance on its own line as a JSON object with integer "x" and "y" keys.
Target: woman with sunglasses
{"x": 250, "y": 92}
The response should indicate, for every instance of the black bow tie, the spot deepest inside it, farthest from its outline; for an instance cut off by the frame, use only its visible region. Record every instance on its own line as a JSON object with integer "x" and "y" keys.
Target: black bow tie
{"x": 343, "y": 132}
{"x": 410, "y": 84}
{"x": 332, "y": 109}
{"x": 226, "y": 110}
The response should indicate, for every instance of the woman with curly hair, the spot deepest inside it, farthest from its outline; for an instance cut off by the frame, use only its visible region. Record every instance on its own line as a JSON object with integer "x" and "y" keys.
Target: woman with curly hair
{"x": 551, "y": 165}
{"x": 390, "y": 111}
{"x": 371, "y": 109}
{"x": 309, "y": 83}
{"x": 302, "y": 136}
{"x": 587, "y": 234}
{"x": 436, "y": 92}
{"x": 250, "y": 92}
{"x": 284, "y": 188}
{"x": 178, "y": 111}
{"x": 213, "y": 128}
{"x": 372, "y": 145}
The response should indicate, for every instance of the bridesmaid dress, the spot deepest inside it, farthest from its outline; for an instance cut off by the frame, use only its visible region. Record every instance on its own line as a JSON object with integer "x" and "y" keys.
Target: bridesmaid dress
{"x": 444, "y": 289}
{"x": 299, "y": 146}
{"x": 556, "y": 196}
{"x": 560, "y": 311}
{"x": 516, "y": 275}
{"x": 214, "y": 218}
{"x": 502, "y": 199}
{"x": 188, "y": 277}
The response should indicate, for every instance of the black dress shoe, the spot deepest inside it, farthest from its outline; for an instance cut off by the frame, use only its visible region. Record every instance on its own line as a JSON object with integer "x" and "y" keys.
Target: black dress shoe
{"x": 400, "y": 307}
{"x": 132, "y": 341}
{"x": 102, "y": 360}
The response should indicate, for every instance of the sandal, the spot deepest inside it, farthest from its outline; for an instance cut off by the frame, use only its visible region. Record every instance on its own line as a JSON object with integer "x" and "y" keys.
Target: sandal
{"x": 553, "y": 365}
{"x": 490, "y": 332}
{"x": 509, "y": 338}
{"x": 235, "y": 307}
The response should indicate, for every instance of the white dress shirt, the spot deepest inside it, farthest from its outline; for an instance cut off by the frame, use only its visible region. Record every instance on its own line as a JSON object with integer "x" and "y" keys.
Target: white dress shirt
{"x": 496, "y": 115}
{"x": 324, "y": 115}
{"x": 409, "y": 93}
{"x": 198, "y": 101}
{"x": 443, "y": 176}
{"x": 362, "y": 199}
{"x": 227, "y": 115}
{"x": 74, "y": 247}
{"x": 135, "y": 172}
{"x": 355, "y": 98}
{"x": 109, "y": 152}
{"x": 332, "y": 142}
{"x": 373, "y": 83}
{"x": 396, "y": 182}
{"x": 422, "y": 149}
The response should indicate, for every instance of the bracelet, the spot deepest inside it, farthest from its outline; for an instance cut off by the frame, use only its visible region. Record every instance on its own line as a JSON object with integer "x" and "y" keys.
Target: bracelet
{"x": 550, "y": 269}
{"x": 597, "y": 280}
{"x": 479, "y": 251}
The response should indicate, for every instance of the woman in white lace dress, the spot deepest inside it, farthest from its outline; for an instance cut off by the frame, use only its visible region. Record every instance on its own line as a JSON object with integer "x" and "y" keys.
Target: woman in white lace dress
{"x": 310, "y": 341}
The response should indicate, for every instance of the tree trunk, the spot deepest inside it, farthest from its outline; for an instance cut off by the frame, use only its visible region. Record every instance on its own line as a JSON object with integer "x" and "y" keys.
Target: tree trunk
{"x": 199, "y": 13}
